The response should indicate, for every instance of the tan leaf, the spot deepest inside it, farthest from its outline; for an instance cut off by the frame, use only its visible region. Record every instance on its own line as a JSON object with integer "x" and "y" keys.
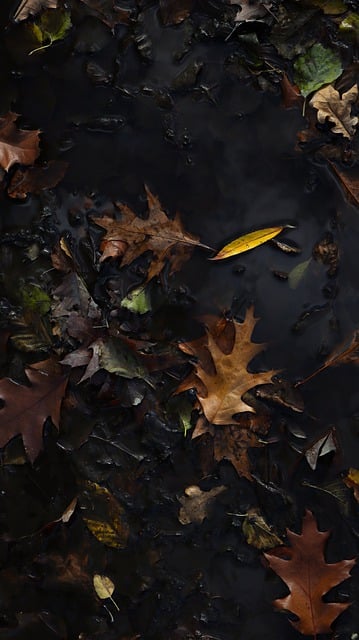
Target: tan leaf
{"x": 131, "y": 236}
{"x": 103, "y": 586}
{"x": 195, "y": 504}
{"x": 308, "y": 576}
{"x": 17, "y": 145}
{"x": 220, "y": 391}
{"x": 337, "y": 109}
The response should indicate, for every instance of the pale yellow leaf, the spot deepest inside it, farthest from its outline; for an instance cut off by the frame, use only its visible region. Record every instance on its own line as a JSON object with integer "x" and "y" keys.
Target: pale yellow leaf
{"x": 247, "y": 242}
{"x": 103, "y": 586}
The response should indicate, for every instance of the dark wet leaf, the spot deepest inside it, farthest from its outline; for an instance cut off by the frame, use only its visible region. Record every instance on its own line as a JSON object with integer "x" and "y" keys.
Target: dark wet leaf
{"x": 196, "y": 504}
{"x": 36, "y": 179}
{"x": 175, "y": 11}
{"x": 104, "y": 516}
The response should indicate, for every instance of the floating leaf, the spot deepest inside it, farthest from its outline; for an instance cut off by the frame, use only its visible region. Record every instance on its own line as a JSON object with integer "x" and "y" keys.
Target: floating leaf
{"x": 318, "y": 66}
{"x": 104, "y": 586}
{"x": 247, "y": 242}
{"x": 336, "y": 109}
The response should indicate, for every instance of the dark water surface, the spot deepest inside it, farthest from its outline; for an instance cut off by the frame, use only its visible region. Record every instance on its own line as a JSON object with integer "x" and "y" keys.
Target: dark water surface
{"x": 223, "y": 156}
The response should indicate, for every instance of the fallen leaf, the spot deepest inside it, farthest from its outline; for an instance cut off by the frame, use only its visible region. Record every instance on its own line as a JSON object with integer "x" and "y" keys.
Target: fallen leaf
{"x": 103, "y": 586}
{"x": 258, "y": 532}
{"x": 131, "y": 236}
{"x": 104, "y": 516}
{"x": 108, "y": 12}
{"x": 28, "y": 8}
{"x": 251, "y": 10}
{"x": 175, "y": 11}
{"x": 352, "y": 481}
{"x": 27, "y": 407}
{"x": 51, "y": 26}
{"x": 349, "y": 26}
{"x": 337, "y": 109}
{"x": 318, "y": 66}
{"x": 346, "y": 353}
{"x": 321, "y": 447}
{"x": 350, "y": 182}
{"x": 330, "y": 7}
{"x": 74, "y": 310}
{"x": 291, "y": 95}
{"x": 233, "y": 442}
{"x": 308, "y": 578}
{"x": 220, "y": 390}
{"x": 247, "y": 242}
{"x": 17, "y": 145}
{"x": 196, "y": 503}
{"x": 298, "y": 273}
{"x": 36, "y": 179}
{"x": 137, "y": 301}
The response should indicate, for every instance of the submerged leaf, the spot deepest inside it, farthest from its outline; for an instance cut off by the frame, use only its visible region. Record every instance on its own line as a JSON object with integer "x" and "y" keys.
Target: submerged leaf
{"x": 137, "y": 301}
{"x": 247, "y": 242}
{"x": 258, "y": 532}
{"x": 318, "y": 66}
{"x": 308, "y": 578}
{"x": 52, "y": 25}
{"x": 296, "y": 274}
{"x": 104, "y": 516}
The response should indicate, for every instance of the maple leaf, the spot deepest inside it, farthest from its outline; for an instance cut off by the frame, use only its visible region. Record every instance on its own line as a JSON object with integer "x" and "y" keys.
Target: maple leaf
{"x": 131, "y": 236}
{"x": 26, "y": 408}
{"x": 337, "y": 109}
{"x": 17, "y": 145}
{"x": 308, "y": 578}
{"x": 220, "y": 390}
{"x": 28, "y": 8}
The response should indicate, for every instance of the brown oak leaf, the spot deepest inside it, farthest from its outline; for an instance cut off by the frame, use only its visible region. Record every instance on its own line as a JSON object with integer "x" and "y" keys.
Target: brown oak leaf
{"x": 221, "y": 377}
{"x": 27, "y": 407}
{"x": 17, "y": 145}
{"x": 131, "y": 236}
{"x": 337, "y": 109}
{"x": 308, "y": 576}
{"x": 28, "y": 8}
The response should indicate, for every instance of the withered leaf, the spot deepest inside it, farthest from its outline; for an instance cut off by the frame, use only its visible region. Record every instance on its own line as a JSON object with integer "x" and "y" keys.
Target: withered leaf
{"x": 309, "y": 578}
{"x": 233, "y": 441}
{"x": 258, "y": 532}
{"x": 337, "y": 109}
{"x": 220, "y": 391}
{"x": 291, "y": 95}
{"x": 73, "y": 309}
{"x": 26, "y": 408}
{"x": 104, "y": 516}
{"x": 131, "y": 236}
{"x": 17, "y": 145}
{"x": 28, "y": 8}
{"x": 196, "y": 503}
{"x": 36, "y": 179}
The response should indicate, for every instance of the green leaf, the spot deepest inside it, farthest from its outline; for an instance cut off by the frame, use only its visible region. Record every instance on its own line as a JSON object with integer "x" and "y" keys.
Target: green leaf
{"x": 318, "y": 66}
{"x": 137, "y": 301}
{"x": 51, "y": 26}
{"x": 35, "y": 299}
{"x": 350, "y": 26}
{"x": 295, "y": 276}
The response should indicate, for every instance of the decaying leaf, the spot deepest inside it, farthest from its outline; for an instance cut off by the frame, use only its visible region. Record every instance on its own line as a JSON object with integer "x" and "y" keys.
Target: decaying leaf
{"x": 73, "y": 309}
{"x": 28, "y": 8}
{"x": 131, "y": 236}
{"x": 104, "y": 516}
{"x": 321, "y": 447}
{"x": 303, "y": 568}
{"x": 258, "y": 532}
{"x": 336, "y": 108}
{"x": 232, "y": 442}
{"x": 109, "y": 12}
{"x": 196, "y": 503}
{"x": 318, "y": 66}
{"x": 27, "y": 407}
{"x": 175, "y": 11}
{"x": 251, "y": 10}
{"x": 51, "y": 26}
{"x": 36, "y": 179}
{"x": 17, "y": 145}
{"x": 352, "y": 481}
{"x": 103, "y": 586}
{"x": 247, "y": 242}
{"x": 221, "y": 376}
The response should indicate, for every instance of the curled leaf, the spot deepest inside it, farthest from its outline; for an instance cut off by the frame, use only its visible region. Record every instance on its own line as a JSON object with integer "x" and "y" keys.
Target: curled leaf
{"x": 247, "y": 242}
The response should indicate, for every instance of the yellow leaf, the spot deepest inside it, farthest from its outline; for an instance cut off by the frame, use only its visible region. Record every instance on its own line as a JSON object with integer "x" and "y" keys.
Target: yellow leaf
{"x": 104, "y": 587}
{"x": 247, "y": 242}
{"x": 104, "y": 516}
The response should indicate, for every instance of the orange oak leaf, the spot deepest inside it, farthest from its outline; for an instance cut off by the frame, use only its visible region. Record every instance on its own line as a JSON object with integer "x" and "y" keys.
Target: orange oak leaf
{"x": 27, "y": 407}
{"x": 221, "y": 377}
{"x": 131, "y": 236}
{"x": 17, "y": 145}
{"x": 308, "y": 576}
